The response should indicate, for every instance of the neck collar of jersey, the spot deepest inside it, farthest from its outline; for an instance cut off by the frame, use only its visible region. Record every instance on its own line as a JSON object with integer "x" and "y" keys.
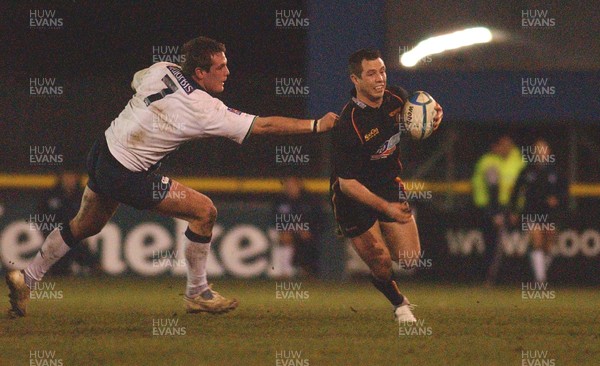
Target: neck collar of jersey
{"x": 359, "y": 103}
{"x": 195, "y": 84}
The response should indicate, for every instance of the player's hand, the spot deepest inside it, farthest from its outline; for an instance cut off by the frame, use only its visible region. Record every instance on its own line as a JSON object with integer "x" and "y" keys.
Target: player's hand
{"x": 437, "y": 120}
{"x": 327, "y": 122}
{"x": 400, "y": 212}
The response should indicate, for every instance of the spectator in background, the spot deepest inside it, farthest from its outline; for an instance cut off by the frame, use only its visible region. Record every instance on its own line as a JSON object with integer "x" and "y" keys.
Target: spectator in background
{"x": 495, "y": 175}
{"x": 299, "y": 223}
{"x": 545, "y": 194}
{"x": 59, "y": 205}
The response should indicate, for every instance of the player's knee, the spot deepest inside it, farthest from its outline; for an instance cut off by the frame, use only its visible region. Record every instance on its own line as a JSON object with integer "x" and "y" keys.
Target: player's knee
{"x": 211, "y": 213}
{"x": 82, "y": 231}
{"x": 206, "y": 213}
{"x": 93, "y": 231}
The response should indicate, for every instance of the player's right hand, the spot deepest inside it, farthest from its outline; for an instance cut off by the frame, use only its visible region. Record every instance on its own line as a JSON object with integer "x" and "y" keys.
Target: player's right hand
{"x": 400, "y": 212}
{"x": 327, "y": 122}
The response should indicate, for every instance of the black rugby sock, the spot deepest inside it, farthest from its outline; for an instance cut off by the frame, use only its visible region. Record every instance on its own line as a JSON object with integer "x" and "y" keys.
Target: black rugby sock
{"x": 390, "y": 289}
{"x": 67, "y": 235}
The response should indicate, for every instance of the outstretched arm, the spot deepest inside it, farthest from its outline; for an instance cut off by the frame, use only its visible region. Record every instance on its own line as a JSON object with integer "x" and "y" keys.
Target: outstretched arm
{"x": 287, "y": 126}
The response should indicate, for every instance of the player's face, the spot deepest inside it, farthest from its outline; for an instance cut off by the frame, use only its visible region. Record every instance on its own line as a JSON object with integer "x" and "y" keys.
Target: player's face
{"x": 371, "y": 84}
{"x": 214, "y": 80}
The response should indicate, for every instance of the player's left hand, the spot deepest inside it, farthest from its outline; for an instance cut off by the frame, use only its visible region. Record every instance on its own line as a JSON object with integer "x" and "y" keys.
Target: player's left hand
{"x": 437, "y": 120}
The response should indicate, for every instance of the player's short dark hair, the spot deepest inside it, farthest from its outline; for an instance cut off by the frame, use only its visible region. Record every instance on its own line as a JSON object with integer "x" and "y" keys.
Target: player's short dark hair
{"x": 355, "y": 60}
{"x": 198, "y": 53}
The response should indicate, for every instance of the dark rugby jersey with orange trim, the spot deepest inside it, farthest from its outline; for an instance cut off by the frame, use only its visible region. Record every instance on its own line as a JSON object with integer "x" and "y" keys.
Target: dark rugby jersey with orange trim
{"x": 365, "y": 140}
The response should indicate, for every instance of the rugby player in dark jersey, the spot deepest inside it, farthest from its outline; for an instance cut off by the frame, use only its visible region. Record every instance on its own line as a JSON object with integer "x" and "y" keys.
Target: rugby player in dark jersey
{"x": 366, "y": 189}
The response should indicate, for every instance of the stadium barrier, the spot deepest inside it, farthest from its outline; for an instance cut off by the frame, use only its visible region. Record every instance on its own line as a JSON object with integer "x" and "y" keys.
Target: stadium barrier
{"x": 143, "y": 243}
{"x": 268, "y": 185}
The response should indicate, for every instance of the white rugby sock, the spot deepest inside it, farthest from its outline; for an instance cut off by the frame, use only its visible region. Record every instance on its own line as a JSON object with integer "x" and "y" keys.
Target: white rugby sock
{"x": 53, "y": 249}
{"x": 277, "y": 260}
{"x": 195, "y": 257}
{"x": 538, "y": 263}
{"x": 287, "y": 260}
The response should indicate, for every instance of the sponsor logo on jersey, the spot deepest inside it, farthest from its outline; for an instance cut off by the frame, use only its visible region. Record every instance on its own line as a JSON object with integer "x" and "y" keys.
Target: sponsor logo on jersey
{"x": 181, "y": 79}
{"x": 374, "y": 132}
{"x": 387, "y": 148}
{"x": 234, "y": 111}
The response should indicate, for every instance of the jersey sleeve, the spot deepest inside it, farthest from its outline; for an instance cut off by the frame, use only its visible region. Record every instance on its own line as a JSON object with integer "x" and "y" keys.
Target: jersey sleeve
{"x": 347, "y": 149}
{"x": 137, "y": 79}
{"x": 227, "y": 122}
{"x": 399, "y": 91}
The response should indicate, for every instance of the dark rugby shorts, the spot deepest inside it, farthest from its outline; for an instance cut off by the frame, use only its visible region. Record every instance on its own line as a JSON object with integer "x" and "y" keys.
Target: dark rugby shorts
{"x": 354, "y": 218}
{"x": 141, "y": 190}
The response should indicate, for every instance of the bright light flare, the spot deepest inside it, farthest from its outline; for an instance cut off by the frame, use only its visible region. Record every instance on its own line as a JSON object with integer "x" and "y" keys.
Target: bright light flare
{"x": 451, "y": 41}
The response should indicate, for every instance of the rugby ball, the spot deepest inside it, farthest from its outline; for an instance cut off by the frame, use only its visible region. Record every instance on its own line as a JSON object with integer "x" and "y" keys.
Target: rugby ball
{"x": 417, "y": 115}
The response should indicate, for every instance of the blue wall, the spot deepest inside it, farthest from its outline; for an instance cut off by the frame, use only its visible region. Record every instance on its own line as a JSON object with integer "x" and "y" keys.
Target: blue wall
{"x": 339, "y": 28}
{"x": 336, "y": 30}
{"x": 496, "y": 96}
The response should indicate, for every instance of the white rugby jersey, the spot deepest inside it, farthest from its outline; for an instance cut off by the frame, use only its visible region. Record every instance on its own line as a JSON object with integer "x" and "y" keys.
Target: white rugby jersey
{"x": 167, "y": 110}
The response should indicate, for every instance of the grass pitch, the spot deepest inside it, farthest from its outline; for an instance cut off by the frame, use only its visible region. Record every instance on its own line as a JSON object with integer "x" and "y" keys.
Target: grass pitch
{"x": 135, "y": 321}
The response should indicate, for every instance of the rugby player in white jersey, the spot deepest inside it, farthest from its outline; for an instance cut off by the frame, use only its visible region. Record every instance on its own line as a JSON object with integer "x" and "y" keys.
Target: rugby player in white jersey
{"x": 122, "y": 166}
